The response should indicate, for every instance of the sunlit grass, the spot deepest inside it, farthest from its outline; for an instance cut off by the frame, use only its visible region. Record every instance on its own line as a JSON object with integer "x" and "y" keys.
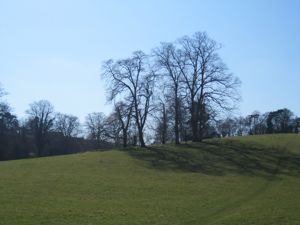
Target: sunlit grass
{"x": 236, "y": 181}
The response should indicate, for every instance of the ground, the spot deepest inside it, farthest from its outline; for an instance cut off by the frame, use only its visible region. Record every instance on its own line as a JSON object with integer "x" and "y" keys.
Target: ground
{"x": 233, "y": 181}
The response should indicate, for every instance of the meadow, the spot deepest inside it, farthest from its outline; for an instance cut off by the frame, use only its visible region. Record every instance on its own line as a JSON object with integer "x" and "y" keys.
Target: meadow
{"x": 252, "y": 180}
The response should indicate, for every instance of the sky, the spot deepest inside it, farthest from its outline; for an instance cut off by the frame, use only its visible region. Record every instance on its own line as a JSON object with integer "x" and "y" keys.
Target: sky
{"x": 53, "y": 49}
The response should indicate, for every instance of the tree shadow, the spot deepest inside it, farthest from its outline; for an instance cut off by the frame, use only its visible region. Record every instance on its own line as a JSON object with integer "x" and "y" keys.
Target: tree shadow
{"x": 221, "y": 157}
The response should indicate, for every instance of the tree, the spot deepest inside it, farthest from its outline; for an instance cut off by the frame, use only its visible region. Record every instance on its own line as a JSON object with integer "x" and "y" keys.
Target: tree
{"x": 67, "y": 125}
{"x": 166, "y": 57}
{"x": 8, "y": 121}
{"x": 133, "y": 80}
{"x": 209, "y": 85}
{"x": 227, "y": 127}
{"x": 64, "y": 140}
{"x": 9, "y": 127}
{"x": 286, "y": 119}
{"x": 296, "y": 125}
{"x": 96, "y": 127}
{"x": 41, "y": 119}
{"x": 124, "y": 114}
{"x": 253, "y": 122}
{"x": 113, "y": 128}
{"x": 161, "y": 128}
{"x": 10, "y": 138}
{"x": 280, "y": 121}
{"x": 241, "y": 124}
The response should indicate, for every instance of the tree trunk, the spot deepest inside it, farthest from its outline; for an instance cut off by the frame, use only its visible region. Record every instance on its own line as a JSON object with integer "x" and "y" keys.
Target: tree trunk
{"x": 200, "y": 115}
{"x": 164, "y": 128}
{"x": 176, "y": 118}
{"x": 124, "y": 138}
{"x": 139, "y": 124}
{"x": 194, "y": 122}
{"x": 141, "y": 138}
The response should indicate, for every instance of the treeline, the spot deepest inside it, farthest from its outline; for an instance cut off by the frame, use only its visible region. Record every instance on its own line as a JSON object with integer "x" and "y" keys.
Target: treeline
{"x": 178, "y": 92}
{"x": 278, "y": 121}
{"x": 45, "y": 132}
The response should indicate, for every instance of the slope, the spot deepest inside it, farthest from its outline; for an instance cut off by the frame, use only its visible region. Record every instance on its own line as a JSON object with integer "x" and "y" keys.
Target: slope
{"x": 245, "y": 180}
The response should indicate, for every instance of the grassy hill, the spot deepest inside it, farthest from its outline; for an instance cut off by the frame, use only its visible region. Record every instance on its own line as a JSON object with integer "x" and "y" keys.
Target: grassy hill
{"x": 234, "y": 181}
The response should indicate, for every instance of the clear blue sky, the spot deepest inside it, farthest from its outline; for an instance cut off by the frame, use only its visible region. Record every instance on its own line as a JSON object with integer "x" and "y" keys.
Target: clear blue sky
{"x": 53, "y": 49}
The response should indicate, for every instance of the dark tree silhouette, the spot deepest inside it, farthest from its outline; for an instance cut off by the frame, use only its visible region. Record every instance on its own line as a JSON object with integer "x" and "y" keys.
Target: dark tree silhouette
{"x": 96, "y": 127}
{"x": 209, "y": 85}
{"x": 9, "y": 127}
{"x": 41, "y": 119}
{"x": 280, "y": 121}
{"x": 124, "y": 114}
{"x": 166, "y": 57}
{"x": 296, "y": 124}
{"x": 133, "y": 80}
{"x": 161, "y": 129}
{"x": 67, "y": 125}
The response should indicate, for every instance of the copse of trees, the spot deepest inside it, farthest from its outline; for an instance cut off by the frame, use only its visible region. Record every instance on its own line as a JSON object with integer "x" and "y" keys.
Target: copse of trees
{"x": 195, "y": 79}
{"x": 179, "y": 92}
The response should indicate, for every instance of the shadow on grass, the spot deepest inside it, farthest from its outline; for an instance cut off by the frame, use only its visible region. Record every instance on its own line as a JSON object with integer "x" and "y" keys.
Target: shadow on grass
{"x": 220, "y": 157}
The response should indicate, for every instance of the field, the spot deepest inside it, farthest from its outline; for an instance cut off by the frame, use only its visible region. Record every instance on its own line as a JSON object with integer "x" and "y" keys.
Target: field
{"x": 231, "y": 181}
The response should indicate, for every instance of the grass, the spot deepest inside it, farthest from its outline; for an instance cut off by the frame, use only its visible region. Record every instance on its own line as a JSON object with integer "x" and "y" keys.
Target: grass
{"x": 234, "y": 181}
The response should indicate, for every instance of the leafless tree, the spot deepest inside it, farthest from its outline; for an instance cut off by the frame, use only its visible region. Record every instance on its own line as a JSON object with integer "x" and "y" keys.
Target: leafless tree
{"x": 96, "y": 127}
{"x": 166, "y": 57}
{"x": 161, "y": 123}
{"x": 206, "y": 78}
{"x": 253, "y": 122}
{"x": 124, "y": 114}
{"x": 133, "y": 80}
{"x": 41, "y": 117}
{"x": 67, "y": 125}
{"x": 113, "y": 128}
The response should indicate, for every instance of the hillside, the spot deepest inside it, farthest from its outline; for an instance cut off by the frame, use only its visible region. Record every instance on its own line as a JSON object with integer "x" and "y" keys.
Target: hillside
{"x": 233, "y": 181}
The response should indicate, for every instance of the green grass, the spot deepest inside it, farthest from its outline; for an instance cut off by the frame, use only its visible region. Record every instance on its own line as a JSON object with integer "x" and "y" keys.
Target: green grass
{"x": 234, "y": 181}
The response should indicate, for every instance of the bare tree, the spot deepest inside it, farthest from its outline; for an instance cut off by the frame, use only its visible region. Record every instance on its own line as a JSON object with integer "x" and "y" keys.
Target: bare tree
{"x": 96, "y": 127}
{"x": 253, "y": 122}
{"x": 67, "y": 125}
{"x": 166, "y": 57}
{"x": 133, "y": 80}
{"x": 124, "y": 114}
{"x": 206, "y": 78}
{"x": 296, "y": 124}
{"x": 113, "y": 128}
{"x": 241, "y": 124}
{"x": 161, "y": 119}
{"x": 41, "y": 117}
